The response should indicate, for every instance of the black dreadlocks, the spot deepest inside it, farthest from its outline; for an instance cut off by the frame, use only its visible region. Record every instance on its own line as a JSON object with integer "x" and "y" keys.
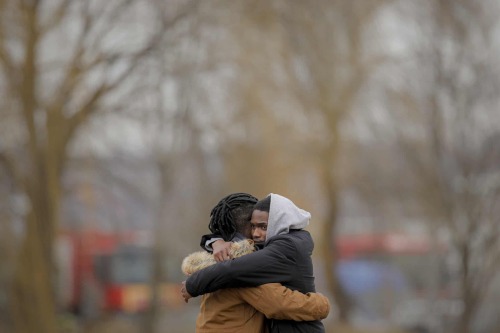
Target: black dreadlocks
{"x": 227, "y": 216}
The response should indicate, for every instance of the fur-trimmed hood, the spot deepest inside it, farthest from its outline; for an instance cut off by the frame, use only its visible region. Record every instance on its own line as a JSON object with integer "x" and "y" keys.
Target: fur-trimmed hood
{"x": 201, "y": 259}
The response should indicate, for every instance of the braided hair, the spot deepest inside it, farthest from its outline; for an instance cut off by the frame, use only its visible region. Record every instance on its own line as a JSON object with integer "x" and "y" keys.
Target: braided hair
{"x": 230, "y": 214}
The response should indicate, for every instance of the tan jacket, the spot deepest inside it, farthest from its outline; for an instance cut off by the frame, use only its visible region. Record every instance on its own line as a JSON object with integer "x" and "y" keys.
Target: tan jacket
{"x": 245, "y": 309}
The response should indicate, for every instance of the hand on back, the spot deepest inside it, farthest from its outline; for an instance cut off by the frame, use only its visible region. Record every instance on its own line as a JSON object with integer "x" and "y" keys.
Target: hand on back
{"x": 221, "y": 250}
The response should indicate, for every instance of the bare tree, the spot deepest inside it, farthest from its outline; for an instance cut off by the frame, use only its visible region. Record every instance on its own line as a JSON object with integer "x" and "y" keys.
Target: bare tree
{"x": 446, "y": 133}
{"x": 330, "y": 65}
{"x": 299, "y": 69}
{"x": 62, "y": 62}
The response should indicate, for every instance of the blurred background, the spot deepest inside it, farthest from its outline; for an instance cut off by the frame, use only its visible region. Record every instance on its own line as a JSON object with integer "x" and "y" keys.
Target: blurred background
{"x": 122, "y": 123}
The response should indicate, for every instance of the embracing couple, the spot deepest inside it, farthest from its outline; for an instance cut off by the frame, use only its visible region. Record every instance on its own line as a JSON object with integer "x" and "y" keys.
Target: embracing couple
{"x": 265, "y": 284}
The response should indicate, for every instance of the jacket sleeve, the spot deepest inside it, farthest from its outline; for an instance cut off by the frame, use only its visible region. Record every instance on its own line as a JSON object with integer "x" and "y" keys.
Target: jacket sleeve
{"x": 274, "y": 263}
{"x": 206, "y": 238}
{"x": 278, "y": 302}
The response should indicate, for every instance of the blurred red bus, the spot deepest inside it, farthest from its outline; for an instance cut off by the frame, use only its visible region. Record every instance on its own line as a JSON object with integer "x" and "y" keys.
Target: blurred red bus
{"x": 101, "y": 271}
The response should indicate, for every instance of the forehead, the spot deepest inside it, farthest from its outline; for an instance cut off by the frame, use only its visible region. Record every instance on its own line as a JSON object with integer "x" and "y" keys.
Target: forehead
{"x": 259, "y": 216}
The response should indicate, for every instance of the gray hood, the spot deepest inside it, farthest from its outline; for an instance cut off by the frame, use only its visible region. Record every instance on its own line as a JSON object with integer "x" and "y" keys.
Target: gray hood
{"x": 284, "y": 215}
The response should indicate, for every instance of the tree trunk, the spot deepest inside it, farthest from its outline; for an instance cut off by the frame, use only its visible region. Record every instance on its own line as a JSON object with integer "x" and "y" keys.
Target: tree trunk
{"x": 465, "y": 320}
{"x": 330, "y": 259}
{"x": 158, "y": 255}
{"x": 329, "y": 251}
{"x": 33, "y": 302}
{"x": 469, "y": 296}
{"x": 34, "y": 297}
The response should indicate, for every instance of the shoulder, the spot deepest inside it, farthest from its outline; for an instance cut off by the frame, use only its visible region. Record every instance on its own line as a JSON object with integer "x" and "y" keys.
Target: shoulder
{"x": 294, "y": 236}
{"x": 302, "y": 235}
{"x": 295, "y": 240}
{"x": 282, "y": 243}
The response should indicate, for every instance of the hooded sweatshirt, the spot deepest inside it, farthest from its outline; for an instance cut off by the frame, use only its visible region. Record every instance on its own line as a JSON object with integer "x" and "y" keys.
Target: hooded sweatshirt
{"x": 283, "y": 216}
{"x": 285, "y": 258}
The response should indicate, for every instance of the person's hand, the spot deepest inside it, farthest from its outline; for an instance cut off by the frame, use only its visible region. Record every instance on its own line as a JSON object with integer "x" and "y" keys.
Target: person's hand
{"x": 221, "y": 250}
{"x": 184, "y": 292}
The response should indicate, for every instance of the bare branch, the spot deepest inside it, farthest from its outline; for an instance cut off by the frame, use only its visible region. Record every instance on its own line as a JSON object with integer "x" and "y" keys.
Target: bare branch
{"x": 11, "y": 169}
{"x": 57, "y": 17}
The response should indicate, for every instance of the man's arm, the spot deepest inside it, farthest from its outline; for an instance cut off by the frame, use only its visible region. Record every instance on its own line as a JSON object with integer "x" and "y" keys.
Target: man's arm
{"x": 278, "y": 302}
{"x": 216, "y": 245}
{"x": 274, "y": 263}
{"x": 207, "y": 240}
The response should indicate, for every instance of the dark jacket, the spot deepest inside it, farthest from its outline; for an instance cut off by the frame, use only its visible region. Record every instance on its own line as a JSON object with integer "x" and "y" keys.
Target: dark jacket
{"x": 286, "y": 259}
{"x": 206, "y": 238}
